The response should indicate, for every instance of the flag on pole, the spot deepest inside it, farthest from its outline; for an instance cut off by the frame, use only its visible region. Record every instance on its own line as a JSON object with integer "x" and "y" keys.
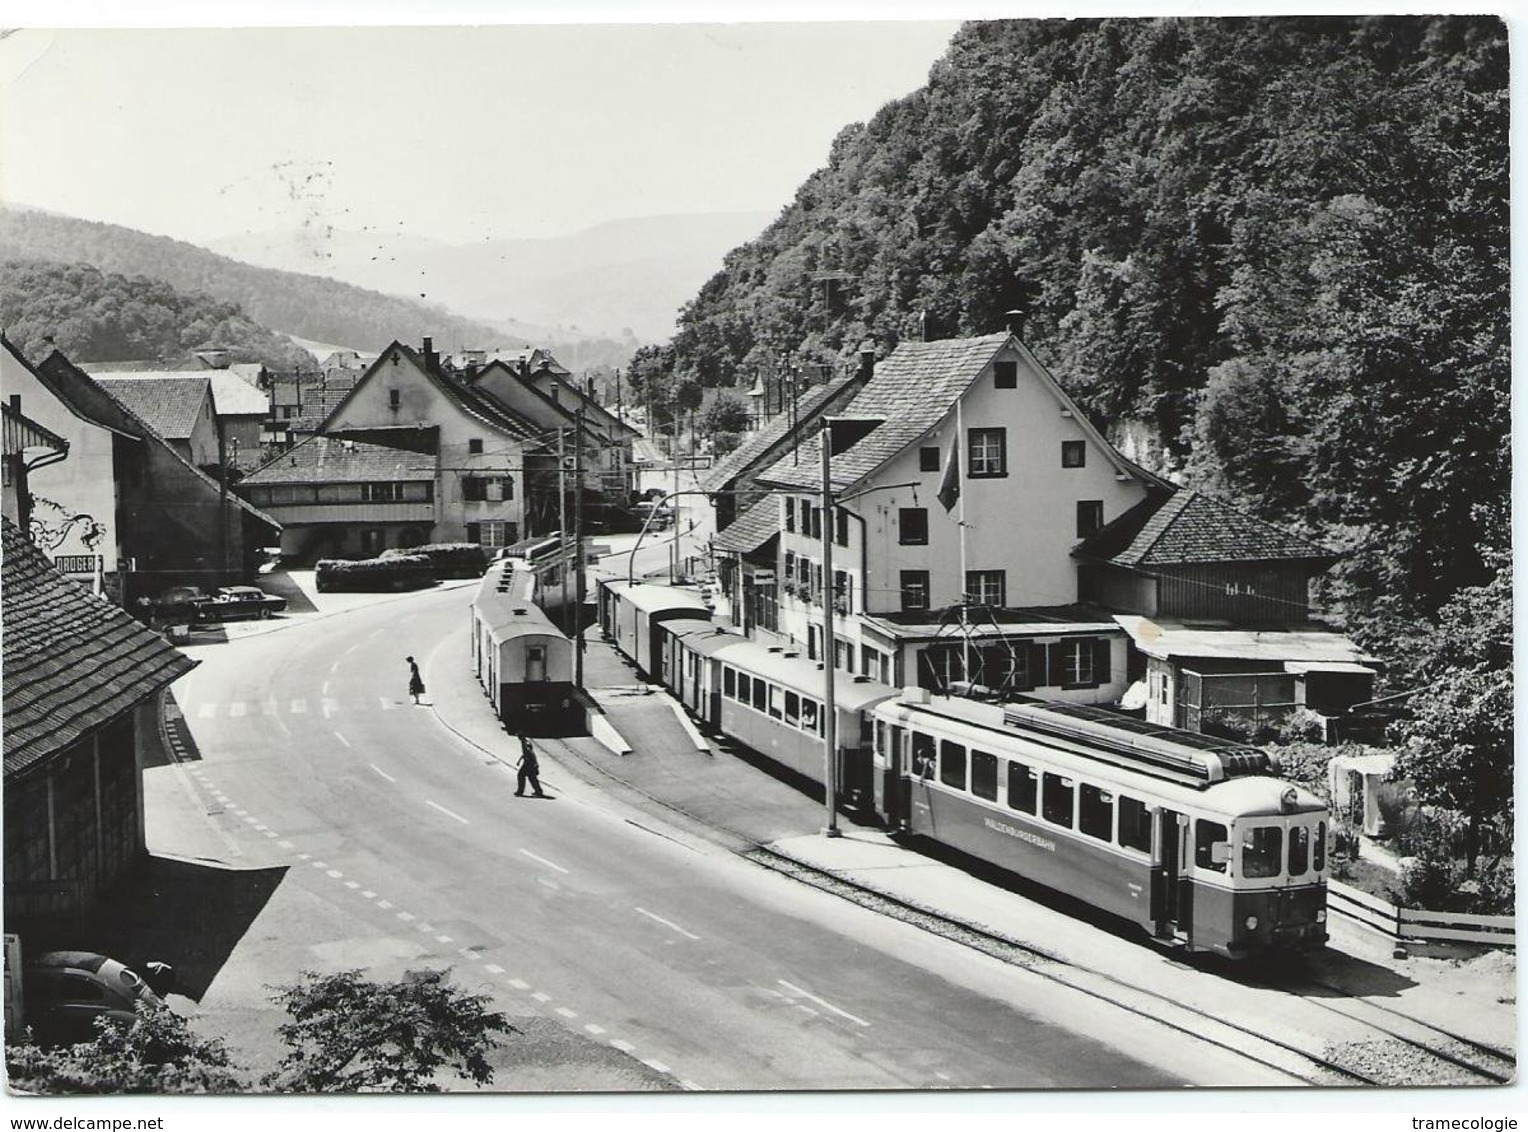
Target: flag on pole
{"x": 949, "y": 486}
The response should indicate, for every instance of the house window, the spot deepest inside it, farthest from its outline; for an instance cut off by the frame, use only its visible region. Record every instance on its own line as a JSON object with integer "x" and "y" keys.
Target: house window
{"x": 914, "y": 589}
{"x": 1072, "y": 664}
{"x": 1005, "y": 375}
{"x": 928, "y": 459}
{"x": 987, "y": 587}
{"x": 475, "y": 446}
{"x": 474, "y": 489}
{"x": 394, "y": 398}
{"x": 1074, "y": 453}
{"x": 841, "y": 526}
{"x": 495, "y": 533}
{"x": 1090, "y": 516}
{"x": 912, "y": 526}
{"x": 500, "y": 488}
{"x": 790, "y": 514}
{"x": 988, "y": 452}
{"x": 381, "y": 492}
{"x": 475, "y": 533}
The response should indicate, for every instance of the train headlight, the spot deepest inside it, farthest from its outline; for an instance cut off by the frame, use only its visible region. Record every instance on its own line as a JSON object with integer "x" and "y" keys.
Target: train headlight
{"x": 1252, "y": 923}
{"x": 1320, "y": 915}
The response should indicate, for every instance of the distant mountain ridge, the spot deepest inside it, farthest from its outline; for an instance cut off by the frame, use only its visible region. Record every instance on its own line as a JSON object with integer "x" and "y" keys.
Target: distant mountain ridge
{"x": 290, "y": 302}
{"x": 618, "y": 276}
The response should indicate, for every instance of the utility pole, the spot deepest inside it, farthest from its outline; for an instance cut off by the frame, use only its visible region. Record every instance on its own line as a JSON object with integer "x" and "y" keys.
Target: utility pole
{"x": 829, "y": 643}
{"x": 578, "y": 549}
{"x": 674, "y": 508}
{"x": 562, "y": 519}
{"x": 619, "y": 412}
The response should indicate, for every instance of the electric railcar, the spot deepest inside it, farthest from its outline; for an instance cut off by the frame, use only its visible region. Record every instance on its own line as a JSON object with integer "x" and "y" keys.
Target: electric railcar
{"x": 1194, "y": 838}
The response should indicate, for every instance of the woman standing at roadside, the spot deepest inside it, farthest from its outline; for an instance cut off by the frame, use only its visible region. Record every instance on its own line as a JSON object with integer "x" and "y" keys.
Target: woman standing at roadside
{"x": 416, "y": 683}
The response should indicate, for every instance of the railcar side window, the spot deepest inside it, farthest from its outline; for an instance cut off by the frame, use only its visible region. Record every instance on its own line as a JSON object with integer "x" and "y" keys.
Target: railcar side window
{"x": 760, "y": 695}
{"x": 1206, "y": 835}
{"x": 743, "y": 687}
{"x": 1095, "y": 812}
{"x": 1262, "y": 846}
{"x": 1134, "y": 824}
{"x": 984, "y": 775}
{"x": 1056, "y": 799}
{"x": 729, "y": 683}
{"x": 774, "y": 701}
{"x": 923, "y": 755}
{"x": 952, "y": 764}
{"x": 1021, "y": 788}
{"x": 809, "y": 716}
{"x": 880, "y": 728}
{"x": 792, "y": 708}
{"x": 1320, "y": 854}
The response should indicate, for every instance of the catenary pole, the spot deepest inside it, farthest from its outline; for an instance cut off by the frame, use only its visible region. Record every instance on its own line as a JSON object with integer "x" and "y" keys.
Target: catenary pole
{"x": 830, "y": 713}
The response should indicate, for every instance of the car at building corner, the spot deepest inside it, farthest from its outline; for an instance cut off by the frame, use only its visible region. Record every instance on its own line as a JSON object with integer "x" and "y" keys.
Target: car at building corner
{"x": 229, "y": 603}
{"x": 64, "y": 992}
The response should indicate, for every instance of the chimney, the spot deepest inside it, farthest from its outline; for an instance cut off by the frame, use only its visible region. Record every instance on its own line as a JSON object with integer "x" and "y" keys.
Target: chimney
{"x": 866, "y": 360}
{"x": 923, "y": 321}
{"x": 1014, "y": 320}
{"x": 431, "y": 358}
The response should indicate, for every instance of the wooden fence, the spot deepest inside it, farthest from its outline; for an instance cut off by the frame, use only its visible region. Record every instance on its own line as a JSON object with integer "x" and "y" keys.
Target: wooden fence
{"x": 1420, "y": 924}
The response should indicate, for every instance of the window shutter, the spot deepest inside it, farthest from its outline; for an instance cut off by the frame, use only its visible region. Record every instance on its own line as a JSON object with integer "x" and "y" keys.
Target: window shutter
{"x": 1101, "y": 649}
{"x": 474, "y": 533}
{"x": 1055, "y": 669}
{"x": 1034, "y": 677}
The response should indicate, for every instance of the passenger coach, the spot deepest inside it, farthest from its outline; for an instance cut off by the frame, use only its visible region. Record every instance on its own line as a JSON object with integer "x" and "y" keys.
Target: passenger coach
{"x": 522, "y": 660}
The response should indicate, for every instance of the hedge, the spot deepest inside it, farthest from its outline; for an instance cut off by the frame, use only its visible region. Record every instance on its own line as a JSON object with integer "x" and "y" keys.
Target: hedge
{"x": 399, "y": 572}
{"x": 448, "y": 559}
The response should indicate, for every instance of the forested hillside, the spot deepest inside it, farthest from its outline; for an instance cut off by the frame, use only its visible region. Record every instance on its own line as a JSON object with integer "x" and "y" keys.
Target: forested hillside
{"x": 308, "y": 306}
{"x": 1281, "y": 244}
{"x": 93, "y": 316}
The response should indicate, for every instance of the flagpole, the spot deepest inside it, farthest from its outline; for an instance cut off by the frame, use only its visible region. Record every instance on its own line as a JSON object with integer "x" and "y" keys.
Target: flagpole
{"x": 960, "y": 521}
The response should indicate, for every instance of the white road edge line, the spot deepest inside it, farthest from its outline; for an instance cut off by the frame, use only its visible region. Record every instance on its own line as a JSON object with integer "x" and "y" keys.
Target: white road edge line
{"x": 447, "y": 812}
{"x": 342, "y": 739}
{"x": 821, "y": 1002}
{"x": 667, "y": 924}
{"x": 379, "y": 770}
{"x": 543, "y": 860}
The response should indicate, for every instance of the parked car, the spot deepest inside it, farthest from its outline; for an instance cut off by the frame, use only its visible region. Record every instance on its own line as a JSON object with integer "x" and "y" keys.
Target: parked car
{"x": 64, "y": 992}
{"x": 179, "y": 605}
{"x": 662, "y": 515}
{"x": 232, "y": 602}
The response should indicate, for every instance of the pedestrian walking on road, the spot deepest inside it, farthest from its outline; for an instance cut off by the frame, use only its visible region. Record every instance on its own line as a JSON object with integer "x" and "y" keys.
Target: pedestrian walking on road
{"x": 416, "y": 683}
{"x": 530, "y": 769}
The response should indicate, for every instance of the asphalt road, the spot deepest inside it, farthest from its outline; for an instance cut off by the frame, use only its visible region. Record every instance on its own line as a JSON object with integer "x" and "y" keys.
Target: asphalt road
{"x": 649, "y": 957}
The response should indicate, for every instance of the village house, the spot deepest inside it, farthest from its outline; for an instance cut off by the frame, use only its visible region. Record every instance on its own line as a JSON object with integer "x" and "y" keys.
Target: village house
{"x": 214, "y": 418}
{"x": 27, "y": 446}
{"x": 126, "y": 510}
{"x": 81, "y": 683}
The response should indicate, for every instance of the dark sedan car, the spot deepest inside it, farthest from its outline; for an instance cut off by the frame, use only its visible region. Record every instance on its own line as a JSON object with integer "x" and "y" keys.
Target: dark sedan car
{"x": 233, "y": 602}
{"x": 64, "y": 992}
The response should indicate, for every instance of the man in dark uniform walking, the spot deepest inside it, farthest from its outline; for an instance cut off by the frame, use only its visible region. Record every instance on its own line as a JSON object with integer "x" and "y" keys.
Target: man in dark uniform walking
{"x": 530, "y": 769}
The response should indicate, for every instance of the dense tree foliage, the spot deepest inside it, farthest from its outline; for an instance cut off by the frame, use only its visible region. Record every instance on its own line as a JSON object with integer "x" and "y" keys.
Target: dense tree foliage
{"x": 1281, "y": 244}
{"x": 95, "y": 317}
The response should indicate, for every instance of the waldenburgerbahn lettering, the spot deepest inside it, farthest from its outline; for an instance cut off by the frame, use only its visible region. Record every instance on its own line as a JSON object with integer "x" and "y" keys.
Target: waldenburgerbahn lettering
{"x": 1022, "y": 834}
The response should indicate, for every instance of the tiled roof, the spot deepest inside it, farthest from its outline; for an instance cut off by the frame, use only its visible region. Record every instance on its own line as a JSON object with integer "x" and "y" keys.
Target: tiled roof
{"x": 327, "y": 459}
{"x": 232, "y": 396}
{"x": 756, "y": 444}
{"x": 167, "y": 402}
{"x": 1194, "y": 527}
{"x": 72, "y": 661}
{"x": 752, "y": 529}
{"x": 485, "y": 408}
{"x": 912, "y": 390}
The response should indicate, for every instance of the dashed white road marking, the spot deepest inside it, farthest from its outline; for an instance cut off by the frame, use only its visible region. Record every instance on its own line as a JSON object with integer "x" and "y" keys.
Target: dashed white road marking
{"x": 658, "y": 1065}
{"x": 236, "y": 710}
{"x": 566, "y": 1013}
{"x": 330, "y": 707}
{"x": 691, "y": 1086}
{"x": 406, "y": 917}
{"x": 447, "y": 812}
{"x": 544, "y": 861}
{"x": 336, "y": 874}
{"x": 352, "y": 884}
{"x": 207, "y": 711}
{"x": 369, "y": 894}
{"x": 541, "y": 997}
{"x": 442, "y": 939}
{"x": 552, "y": 884}
{"x": 519, "y": 984}
{"x": 624, "y": 1047}
{"x": 324, "y": 691}
{"x": 304, "y": 856}
{"x": 299, "y": 707}
{"x": 250, "y": 819}
{"x": 333, "y": 668}
{"x": 269, "y": 707}
{"x": 379, "y": 770}
{"x": 424, "y": 927}
{"x": 384, "y": 904}
{"x": 493, "y": 968}
{"x": 387, "y": 704}
{"x": 594, "y": 1029}
{"x": 318, "y": 864}
{"x": 342, "y": 739}
{"x": 668, "y": 924}
{"x": 821, "y": 1002}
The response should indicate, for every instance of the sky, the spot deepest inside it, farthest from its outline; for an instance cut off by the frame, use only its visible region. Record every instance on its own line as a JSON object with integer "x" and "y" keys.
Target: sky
{"x": 455, "y": 133}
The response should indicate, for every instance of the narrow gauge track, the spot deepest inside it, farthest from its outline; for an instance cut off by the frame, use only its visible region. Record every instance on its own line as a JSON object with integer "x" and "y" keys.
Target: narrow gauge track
{"x": 1476, "y": 1060}
{"x": 1424, "y": 1065}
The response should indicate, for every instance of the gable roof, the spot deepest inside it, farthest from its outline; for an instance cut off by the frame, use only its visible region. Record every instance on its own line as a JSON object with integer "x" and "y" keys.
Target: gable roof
{"x": 232, "y": 396}
{"x": 1194, "y": 527}
{"x": 487, "y": 410}
{"x": 73, "y": 662}
{"x": 333, "y": 459}
{"x": 752, "y": 529}
{"x": 87, "y": 399}
{"x": 169, "y": 402}
{"x": 756, "y": 444}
